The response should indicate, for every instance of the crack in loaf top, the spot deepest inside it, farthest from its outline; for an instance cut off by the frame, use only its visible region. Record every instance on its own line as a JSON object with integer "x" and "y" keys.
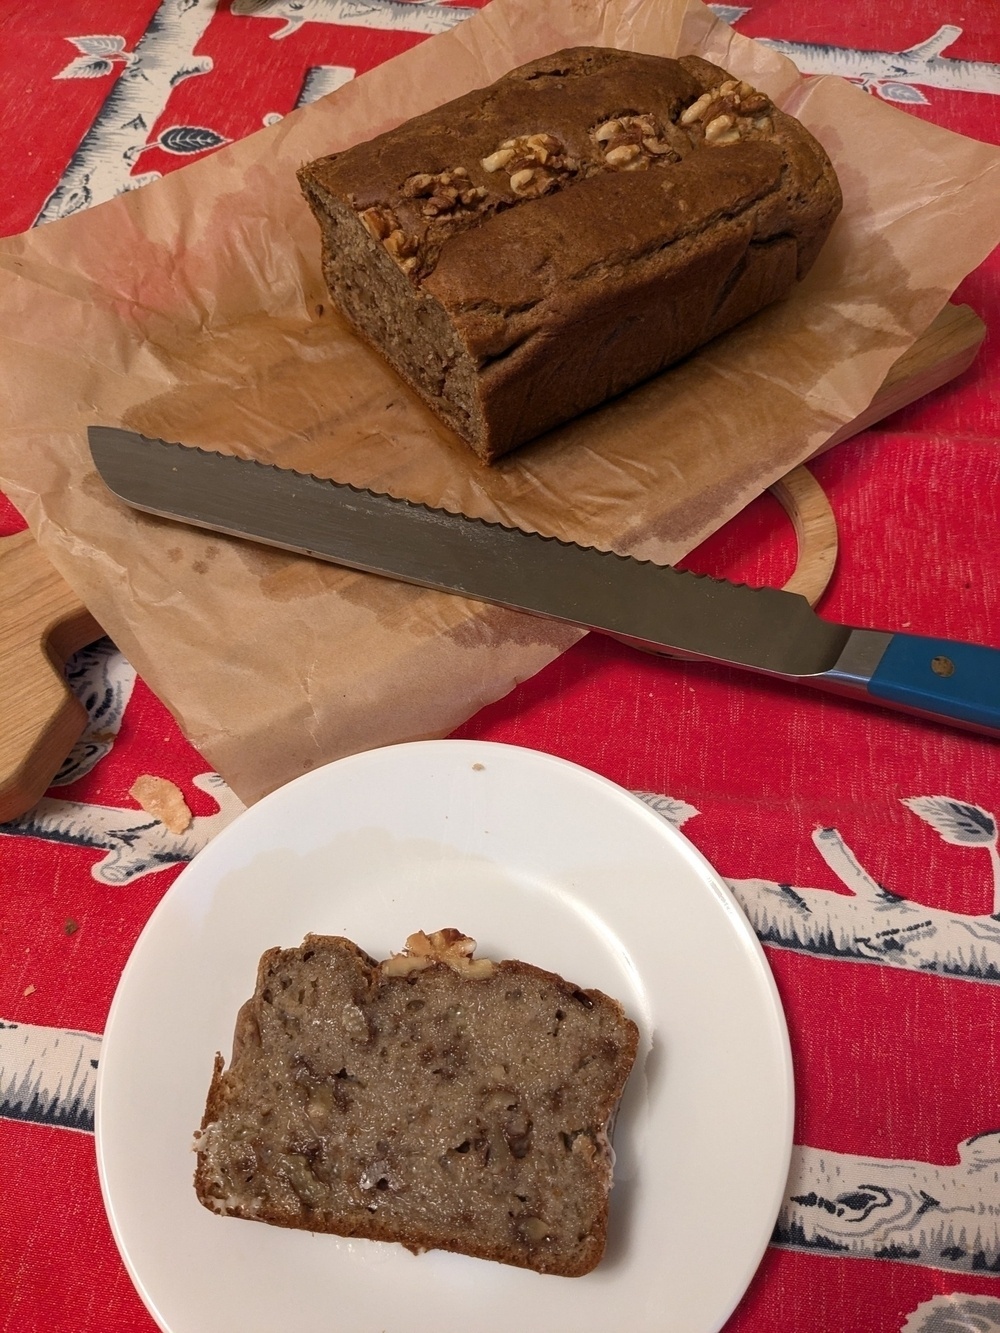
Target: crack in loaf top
{"x": 595, "y": 151}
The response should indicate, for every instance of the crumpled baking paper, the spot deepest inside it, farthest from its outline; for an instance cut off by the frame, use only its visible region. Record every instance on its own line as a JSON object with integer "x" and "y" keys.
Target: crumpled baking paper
{"x": 193, "y": 309}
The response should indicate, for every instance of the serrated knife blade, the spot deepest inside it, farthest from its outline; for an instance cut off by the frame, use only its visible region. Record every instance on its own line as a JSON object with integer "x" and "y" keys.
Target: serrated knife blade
{"x": 654, "y": 607}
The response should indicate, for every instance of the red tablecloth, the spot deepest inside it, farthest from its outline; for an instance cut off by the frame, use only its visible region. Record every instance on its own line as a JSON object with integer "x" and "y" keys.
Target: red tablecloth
{"x": 862, "y": 844}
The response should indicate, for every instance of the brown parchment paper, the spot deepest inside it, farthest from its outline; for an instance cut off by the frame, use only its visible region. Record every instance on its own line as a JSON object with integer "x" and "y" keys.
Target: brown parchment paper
{"x": 193, "y": 309}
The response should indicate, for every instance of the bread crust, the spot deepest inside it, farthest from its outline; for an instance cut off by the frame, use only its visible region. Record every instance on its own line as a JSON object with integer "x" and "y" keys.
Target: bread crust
{"x": 566, "y": 274}
{"x": 474, "y": 1144}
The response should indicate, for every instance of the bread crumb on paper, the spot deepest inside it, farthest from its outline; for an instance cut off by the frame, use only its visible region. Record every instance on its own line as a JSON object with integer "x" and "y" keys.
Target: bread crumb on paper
{"x": 164, "y": 800}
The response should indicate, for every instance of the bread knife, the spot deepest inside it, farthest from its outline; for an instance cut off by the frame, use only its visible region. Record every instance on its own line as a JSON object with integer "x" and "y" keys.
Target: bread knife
{"x": 653, "y": 607}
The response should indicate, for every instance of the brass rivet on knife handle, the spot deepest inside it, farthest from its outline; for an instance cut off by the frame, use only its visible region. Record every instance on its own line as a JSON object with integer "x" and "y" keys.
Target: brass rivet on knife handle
{"x": 42, "y": 623}
{"x": 804, "y": 501}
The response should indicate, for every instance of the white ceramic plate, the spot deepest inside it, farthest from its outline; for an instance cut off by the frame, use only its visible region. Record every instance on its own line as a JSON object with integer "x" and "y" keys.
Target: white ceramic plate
{"x": 535, "y": 858}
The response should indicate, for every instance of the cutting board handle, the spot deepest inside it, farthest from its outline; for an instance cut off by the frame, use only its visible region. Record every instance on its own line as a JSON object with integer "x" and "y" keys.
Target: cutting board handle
{"x": 804, "y": 501}
{"x": 42, "y": 623}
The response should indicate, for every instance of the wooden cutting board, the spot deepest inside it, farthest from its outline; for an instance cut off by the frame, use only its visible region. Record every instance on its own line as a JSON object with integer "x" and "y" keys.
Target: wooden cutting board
{"x": 43, "y": 622}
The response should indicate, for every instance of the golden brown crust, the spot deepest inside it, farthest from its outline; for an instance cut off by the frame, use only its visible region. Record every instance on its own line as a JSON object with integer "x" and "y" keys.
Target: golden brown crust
{"x": 533, "y": 248}
{"x": 440, "y": 1109}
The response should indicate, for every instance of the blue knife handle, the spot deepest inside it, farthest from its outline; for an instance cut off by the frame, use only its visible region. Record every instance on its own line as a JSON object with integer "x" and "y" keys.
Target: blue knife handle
{"x": 941, "y": 677}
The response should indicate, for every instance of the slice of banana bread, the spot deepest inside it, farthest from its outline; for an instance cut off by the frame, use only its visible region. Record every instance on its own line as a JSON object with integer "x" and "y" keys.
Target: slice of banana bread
{"x": 433, "y": 1099}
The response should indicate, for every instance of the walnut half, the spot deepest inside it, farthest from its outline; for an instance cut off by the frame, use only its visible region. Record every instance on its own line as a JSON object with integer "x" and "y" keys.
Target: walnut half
{"x": 444, "y": 191}
{"x": 727, "y": 113}
{"x": 633, "y": 143}
{"x": 448, "y": 946}
{"x": 382, "y": 225}
{"x": 534, "y": 163}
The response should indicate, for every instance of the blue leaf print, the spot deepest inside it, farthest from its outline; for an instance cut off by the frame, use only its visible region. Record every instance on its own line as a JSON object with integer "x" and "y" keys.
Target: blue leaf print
{"x": 957, "y": 822}
{"x": 85, "y": 67}
{"x": 902, "y": 92}
{"x": 100, "y": 44}
{"x": 729, "y": 13}
{"x": 674, "y": 811}
{"x": 189, "y": 139}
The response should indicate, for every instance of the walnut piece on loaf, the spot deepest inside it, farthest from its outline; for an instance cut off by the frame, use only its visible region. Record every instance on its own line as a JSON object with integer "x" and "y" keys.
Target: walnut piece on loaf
{"x": 531, "y": 249}
{"x": 432, "y": 1099}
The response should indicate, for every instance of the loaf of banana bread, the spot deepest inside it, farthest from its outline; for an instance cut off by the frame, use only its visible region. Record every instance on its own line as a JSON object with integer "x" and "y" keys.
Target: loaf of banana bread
{"x": 533, "y": 248}
{"x": 433, "y": 1099}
